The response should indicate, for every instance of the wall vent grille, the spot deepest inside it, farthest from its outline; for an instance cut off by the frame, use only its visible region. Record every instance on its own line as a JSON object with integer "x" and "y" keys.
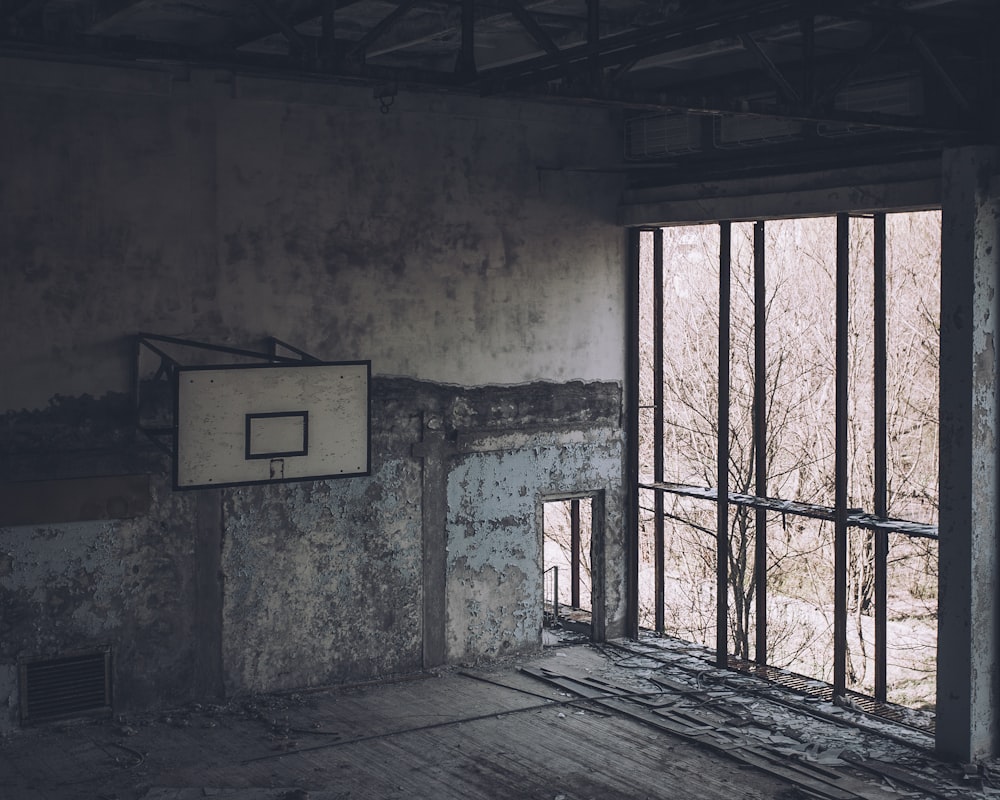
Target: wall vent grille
{"x": 69, "y": 686}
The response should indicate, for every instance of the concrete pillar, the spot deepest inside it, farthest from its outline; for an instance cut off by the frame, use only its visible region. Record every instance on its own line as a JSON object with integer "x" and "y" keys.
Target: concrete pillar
{"x": 208, "y": 680}
{"x": 968, "y": 701}
{"x": 434, "y": 449}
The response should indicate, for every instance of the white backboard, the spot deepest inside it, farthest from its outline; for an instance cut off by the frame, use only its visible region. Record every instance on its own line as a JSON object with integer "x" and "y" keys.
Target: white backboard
{"x": 253, "y": 423}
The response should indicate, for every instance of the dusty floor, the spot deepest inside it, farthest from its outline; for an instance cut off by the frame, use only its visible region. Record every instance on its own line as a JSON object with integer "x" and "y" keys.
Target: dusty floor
{"x": 628, "y": 720}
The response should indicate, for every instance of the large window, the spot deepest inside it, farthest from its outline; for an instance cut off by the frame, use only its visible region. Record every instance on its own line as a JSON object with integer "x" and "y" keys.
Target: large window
{"x": 802, "y": 355}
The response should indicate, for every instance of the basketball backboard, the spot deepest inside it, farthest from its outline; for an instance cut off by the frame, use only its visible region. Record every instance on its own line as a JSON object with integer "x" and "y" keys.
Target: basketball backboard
{"x": 263, "y": 423}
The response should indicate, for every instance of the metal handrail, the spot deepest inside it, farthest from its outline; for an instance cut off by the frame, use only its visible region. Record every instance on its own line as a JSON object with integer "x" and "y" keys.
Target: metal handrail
{"x": 555, "y": 590}
{"x": 856, "y": 518}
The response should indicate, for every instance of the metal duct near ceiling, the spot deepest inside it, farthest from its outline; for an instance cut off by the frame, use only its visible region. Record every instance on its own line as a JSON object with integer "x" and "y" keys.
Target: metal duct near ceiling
{"x": 662, "y": 135}
{"x": 903, "y": 96}
{"x": 732, "y": 132}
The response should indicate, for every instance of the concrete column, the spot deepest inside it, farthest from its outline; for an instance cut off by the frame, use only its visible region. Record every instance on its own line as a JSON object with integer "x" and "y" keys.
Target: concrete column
{"x": 208, "y": 599}
{"x": 434, "y": 450}
{"x": 968, "y": 701}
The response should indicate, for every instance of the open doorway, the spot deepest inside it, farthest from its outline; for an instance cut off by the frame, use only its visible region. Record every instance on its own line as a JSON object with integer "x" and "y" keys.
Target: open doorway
{"x": 567, "y": 564}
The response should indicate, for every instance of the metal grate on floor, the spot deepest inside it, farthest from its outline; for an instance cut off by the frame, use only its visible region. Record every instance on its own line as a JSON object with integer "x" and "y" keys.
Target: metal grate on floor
{"x": 69, "y": 686}
{"x": 823, "y": 691}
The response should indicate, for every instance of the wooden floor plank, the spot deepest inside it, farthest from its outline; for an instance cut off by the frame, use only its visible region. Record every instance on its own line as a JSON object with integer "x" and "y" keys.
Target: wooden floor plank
{"x": 484, "y": 734}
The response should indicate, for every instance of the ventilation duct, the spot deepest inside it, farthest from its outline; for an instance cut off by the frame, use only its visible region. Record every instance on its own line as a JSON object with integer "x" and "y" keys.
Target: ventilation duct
{"x": 732, "y": 133}
{"x": 661, "y": 136}
{"x": 900, "y": 97}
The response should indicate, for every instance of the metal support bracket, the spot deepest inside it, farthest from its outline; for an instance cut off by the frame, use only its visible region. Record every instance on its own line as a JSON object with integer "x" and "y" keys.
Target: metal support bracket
{"x": 152, "y": 398}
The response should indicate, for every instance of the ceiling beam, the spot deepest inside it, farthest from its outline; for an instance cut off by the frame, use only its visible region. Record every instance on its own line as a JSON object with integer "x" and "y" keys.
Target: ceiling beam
{"x": 641, "y": 43}
{"x": 383, "y": 26}
{"x": 770, "y": 68}
{"x": 954, "y": 22}
{"x": 253, "y": 31}
{"x": 536, "y": 31}
{"x": 483, "y": 18}
{"x": 594, "y": 37}
{"x": 936, "y": 67}
{"x": 739, "y": 106}
{"x": 287, "y": 29}
{"x": 487, "y": 18}
{"x": 861, "y": 57}
{"x": 807, "y": 27}
{"x": 465, "y": 64}
{"x": 328, "y": 33}
{"x": 22, "y": 15}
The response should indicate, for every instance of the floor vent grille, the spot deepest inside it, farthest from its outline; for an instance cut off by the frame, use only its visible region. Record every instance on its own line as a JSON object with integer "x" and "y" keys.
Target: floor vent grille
{"x": 70, "y": 686}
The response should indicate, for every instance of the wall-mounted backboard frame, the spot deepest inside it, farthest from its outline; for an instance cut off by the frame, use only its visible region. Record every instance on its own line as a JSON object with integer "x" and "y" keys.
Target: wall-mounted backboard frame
{"x": 290, "y": 418}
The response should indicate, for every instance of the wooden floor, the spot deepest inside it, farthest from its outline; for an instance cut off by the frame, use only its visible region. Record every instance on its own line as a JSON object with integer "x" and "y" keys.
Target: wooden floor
{"x": 578, "y": 724}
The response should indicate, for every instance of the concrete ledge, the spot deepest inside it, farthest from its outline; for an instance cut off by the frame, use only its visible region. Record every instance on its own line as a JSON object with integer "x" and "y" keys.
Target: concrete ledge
{"x": 904, "y": 187}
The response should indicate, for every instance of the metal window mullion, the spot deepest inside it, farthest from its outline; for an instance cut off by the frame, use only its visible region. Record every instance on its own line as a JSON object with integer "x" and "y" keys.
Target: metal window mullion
{"x": 555, "y": 594}
{"x": 593, "y": 38}
{"x": 760, "y": 442}
{"x": 807, "y": 26}
{"x": 466, "y": 65}
{"x": 328, "y": 31}
{"x": 722, "y": 462}
{"x": 840, "y": 468}
{"x": 881, "y": 457}
{"x": 574, "y": 562}
{"x": 632, "y": 439}
{"x": 658, "y": 427}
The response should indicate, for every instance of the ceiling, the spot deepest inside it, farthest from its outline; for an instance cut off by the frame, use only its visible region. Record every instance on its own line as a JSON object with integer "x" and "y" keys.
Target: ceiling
{"x": 700, "y": 81}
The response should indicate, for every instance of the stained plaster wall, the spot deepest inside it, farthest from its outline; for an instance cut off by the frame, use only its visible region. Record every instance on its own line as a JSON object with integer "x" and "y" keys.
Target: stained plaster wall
{"x": 324, "y": 578}
{"x": 445, "y": 241}
{"x": 494, "y": 567}
{"x": 130, "y": 582}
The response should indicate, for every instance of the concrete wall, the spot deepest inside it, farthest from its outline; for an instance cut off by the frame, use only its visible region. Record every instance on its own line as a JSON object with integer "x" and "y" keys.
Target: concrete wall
{"x": 487, "y": 292}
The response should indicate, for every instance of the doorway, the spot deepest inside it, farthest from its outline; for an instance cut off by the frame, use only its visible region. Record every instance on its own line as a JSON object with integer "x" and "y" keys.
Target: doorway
{"x": 568, "y": 564}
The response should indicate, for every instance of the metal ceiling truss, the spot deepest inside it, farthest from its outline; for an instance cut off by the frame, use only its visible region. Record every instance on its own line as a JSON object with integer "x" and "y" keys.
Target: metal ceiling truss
{"x": 295, "y": 39}
{"x": 772, "y": 47}
{"x": 623, "y": 52}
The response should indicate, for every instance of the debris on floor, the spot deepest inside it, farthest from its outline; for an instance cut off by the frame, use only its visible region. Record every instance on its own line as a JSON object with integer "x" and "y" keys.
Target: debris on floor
{"x": 823, "y": 747}
{"x": 622, "y": 720}
{"x": 239, "y": 794}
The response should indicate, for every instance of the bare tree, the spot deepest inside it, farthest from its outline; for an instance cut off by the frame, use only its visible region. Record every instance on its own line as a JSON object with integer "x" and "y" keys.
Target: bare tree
{"x": 800, "y": 444}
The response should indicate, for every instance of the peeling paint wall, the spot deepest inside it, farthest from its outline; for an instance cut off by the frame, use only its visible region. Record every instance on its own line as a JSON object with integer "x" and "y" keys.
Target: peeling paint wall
{"x": 325, "y": 581}
{"x": 494, "y": 535}
{"x": 449, "y": 241}
{"x": 87, "y": 584}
